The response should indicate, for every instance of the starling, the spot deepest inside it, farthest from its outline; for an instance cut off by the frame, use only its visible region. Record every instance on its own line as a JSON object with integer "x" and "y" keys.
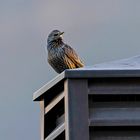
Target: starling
{"x": 60, "y": 55}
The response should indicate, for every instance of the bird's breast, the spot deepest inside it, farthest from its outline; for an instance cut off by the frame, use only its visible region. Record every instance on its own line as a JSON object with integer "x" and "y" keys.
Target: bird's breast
{"x": 56, "y": 53}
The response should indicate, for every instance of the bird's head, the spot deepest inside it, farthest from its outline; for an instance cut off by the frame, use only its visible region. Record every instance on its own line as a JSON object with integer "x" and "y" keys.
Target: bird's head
{"x": 54, "y": 36}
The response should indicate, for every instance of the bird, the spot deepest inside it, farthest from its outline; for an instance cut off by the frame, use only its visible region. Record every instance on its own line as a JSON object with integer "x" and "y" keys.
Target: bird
{"x": 60, "y": 55}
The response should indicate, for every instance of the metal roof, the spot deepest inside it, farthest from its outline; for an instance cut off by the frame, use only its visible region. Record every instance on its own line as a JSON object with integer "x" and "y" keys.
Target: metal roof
{"x": 122, "y": 68}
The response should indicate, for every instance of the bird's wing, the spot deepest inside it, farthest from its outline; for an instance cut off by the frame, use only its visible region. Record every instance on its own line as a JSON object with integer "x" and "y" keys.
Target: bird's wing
{"x": 71, "y": 58}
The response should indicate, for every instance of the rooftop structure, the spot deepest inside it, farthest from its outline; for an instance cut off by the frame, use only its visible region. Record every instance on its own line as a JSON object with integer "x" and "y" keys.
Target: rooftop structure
{"x": 100, "y": 102}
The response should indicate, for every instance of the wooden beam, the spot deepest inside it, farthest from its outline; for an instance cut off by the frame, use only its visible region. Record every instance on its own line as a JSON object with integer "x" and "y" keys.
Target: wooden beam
{"x": 42, "y": 119}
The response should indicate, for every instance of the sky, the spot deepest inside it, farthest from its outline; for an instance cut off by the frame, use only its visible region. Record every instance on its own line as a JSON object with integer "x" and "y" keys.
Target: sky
{"x": 99, "y": 31}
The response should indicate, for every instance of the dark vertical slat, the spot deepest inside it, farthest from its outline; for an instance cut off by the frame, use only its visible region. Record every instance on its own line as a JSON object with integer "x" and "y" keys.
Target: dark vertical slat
{"x": 76, "y": 109}
{"x": 42, "y": 120}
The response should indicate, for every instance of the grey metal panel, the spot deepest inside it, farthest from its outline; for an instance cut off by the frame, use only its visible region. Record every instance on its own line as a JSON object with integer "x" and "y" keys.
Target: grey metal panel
{"x": 114, "y": 86}
{"x": 114, "y": 114}
{"x": 76, "y": 110}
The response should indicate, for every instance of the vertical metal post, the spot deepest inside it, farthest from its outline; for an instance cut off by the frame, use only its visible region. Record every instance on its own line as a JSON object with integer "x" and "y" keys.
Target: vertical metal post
{"x": 42, "y": 119}
{"x": 76, "y": 109}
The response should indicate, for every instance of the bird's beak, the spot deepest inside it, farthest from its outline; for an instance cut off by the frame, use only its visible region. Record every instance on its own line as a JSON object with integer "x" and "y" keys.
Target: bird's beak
{"x": 61, "y": 33}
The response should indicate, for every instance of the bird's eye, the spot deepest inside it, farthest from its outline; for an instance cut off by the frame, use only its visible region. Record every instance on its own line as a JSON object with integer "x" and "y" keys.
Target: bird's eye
{"x": 55, "y": 34}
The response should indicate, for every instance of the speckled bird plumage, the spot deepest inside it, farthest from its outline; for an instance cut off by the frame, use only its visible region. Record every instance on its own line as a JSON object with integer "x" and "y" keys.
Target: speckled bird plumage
{"x": 60, "y": 55}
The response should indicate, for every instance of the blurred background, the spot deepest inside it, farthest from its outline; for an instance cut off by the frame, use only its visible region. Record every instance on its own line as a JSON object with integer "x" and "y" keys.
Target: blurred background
{"x": 99, "y": 30}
